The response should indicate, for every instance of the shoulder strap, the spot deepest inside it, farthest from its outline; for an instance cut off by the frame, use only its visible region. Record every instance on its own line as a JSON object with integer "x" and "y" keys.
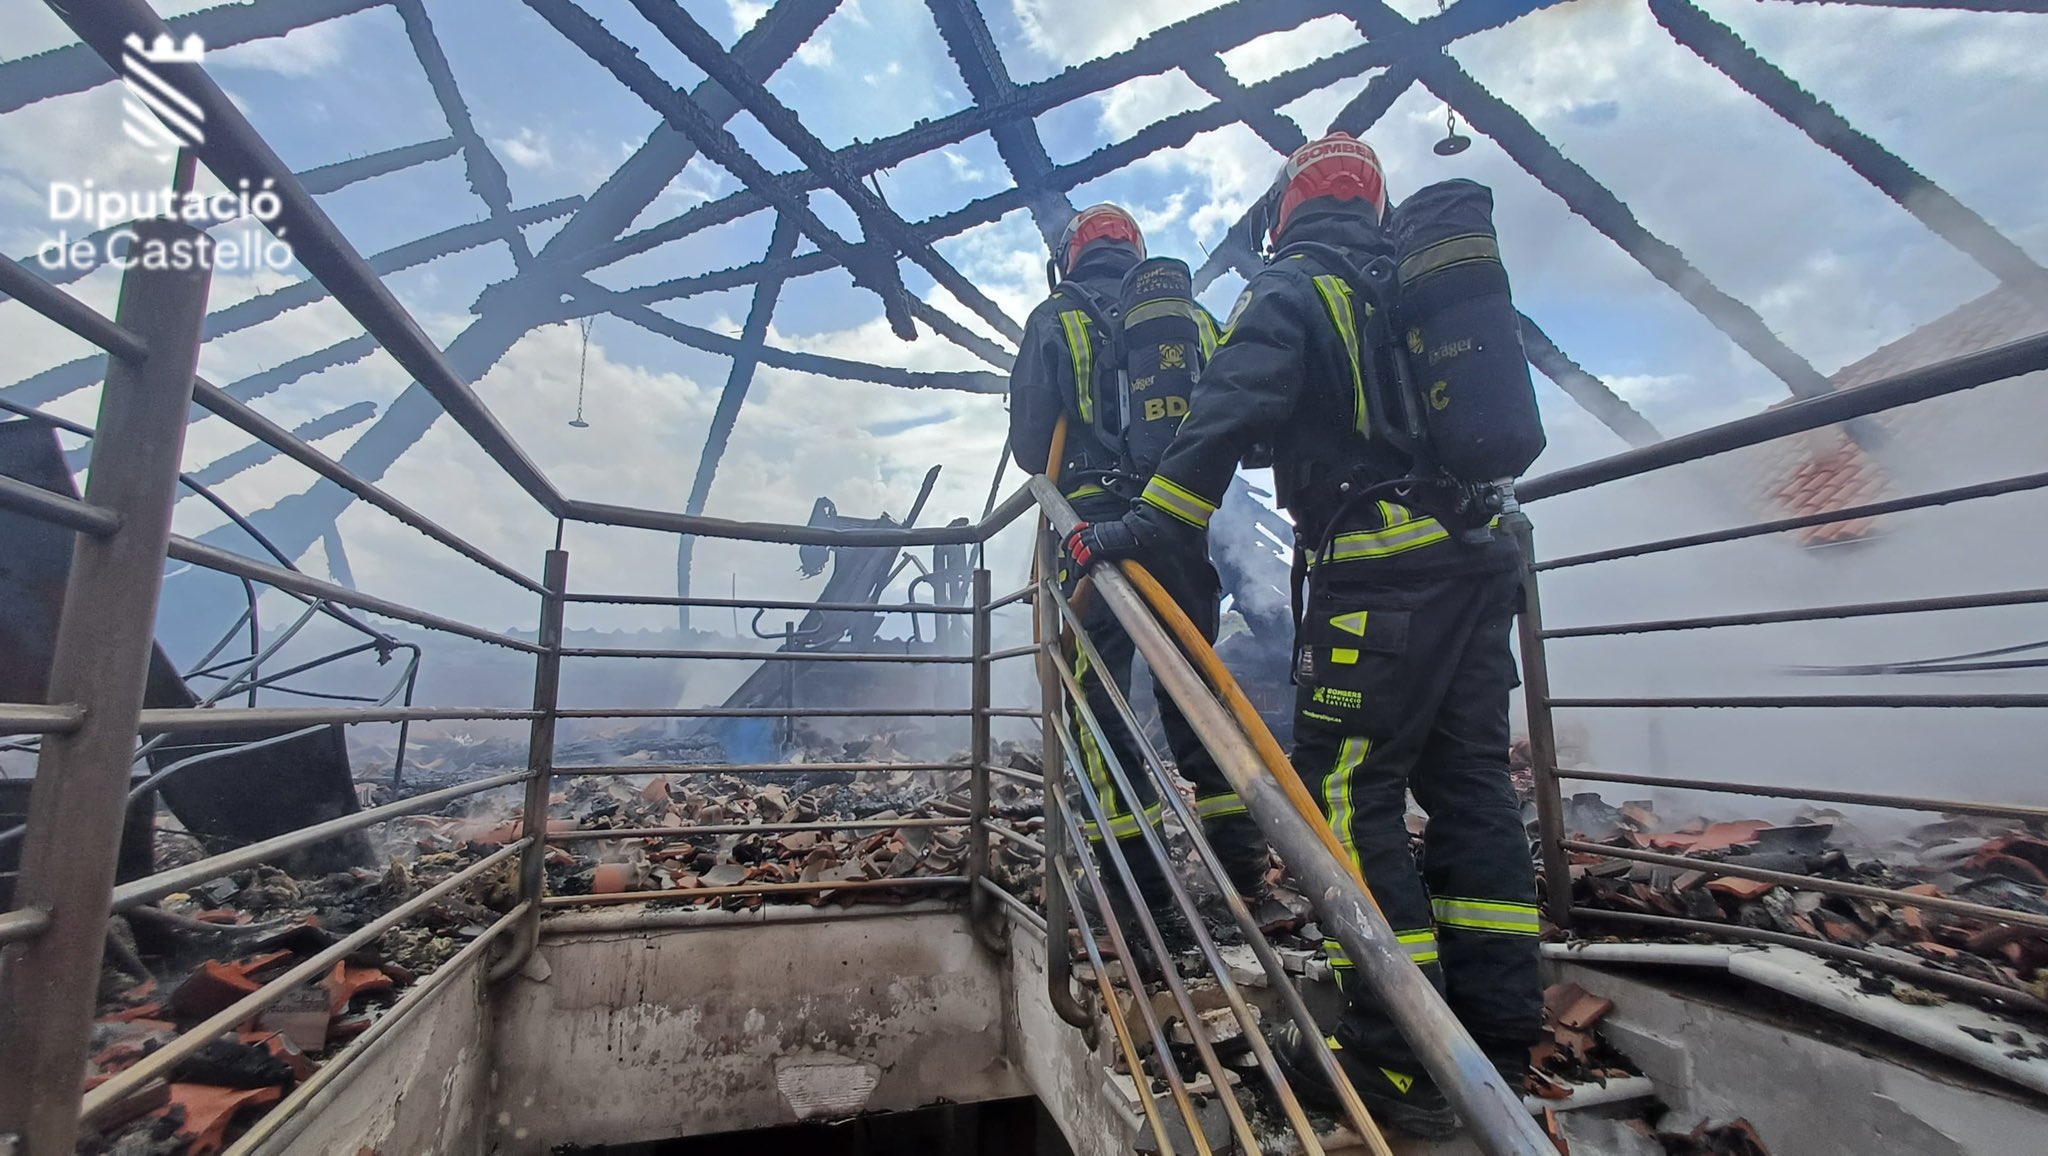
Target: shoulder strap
{"x": 1395, "y": 418}
{"x": 1079, "y": 326}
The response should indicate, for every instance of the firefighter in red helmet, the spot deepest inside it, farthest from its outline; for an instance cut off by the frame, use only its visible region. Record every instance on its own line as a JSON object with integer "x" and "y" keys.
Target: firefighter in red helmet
{"x": 1402, "y": 663}
{"x": 1072, "y": 367}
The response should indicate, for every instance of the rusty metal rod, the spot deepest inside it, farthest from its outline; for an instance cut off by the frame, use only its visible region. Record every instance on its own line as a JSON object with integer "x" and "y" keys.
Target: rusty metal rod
{"x": 175, "y": 720}
{"x": 1013, "y": 835}
{"x": 1816, "y": 794}
{"x": 1045, "y": 630}
{"x": 26, "y": 923}
{"x": 769, "y": 604}
{"x": 54, "y": 508}
{"x": 1809, "y": 614}
{"x": 1913, "y": 967}
{"x": 690, "y": 893}
{"x": 306, "y": 1101}
{"x": 1025, "y": 777}
{"x": 1013, "y": 652}
{"x": 1112, "y": 1010}
{"x": 1021, "y": 594}
{"x": 100, "y": 1101}
{"x": 759, "y": 655}
{"x": 979, "y": 753}
{"x": 1348, "y": 914}
{"x": 540, "y": 763}
{"x": 1018, "y": 907}
{"x": 1825, "y": 517}
{"x": 152, "y": 887}
{"x": 34, "y": 718}
{"x": 642, "y": 770}
{"x": 1996, "y": 701}
{"x": 582, "y": 836}
{"x": 18, "y": 282}
{"x": 1811, "y": 883}
{"x": 1536, "y": 700}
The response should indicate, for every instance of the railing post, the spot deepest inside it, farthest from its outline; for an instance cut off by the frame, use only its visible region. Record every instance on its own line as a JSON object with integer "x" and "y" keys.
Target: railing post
{"x": 48, "y": 984}
{"x": 1557, "y": 876}
{"x": 1059, "y": 956}
{"x": 980, "y": 753}
{"x": 540, "y": 762}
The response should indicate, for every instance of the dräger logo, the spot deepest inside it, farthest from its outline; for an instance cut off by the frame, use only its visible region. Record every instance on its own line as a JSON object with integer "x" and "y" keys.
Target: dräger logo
{"x": 159, "y": 117}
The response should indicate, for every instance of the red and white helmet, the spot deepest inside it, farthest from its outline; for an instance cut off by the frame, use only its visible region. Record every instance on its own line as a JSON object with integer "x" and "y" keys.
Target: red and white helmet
{"x": 1092, "y": 225}
{"x": 1339, "y": 167}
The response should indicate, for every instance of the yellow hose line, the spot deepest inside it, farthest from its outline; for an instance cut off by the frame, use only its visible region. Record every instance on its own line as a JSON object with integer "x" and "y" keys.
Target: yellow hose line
{"x": 1220, "y": 679}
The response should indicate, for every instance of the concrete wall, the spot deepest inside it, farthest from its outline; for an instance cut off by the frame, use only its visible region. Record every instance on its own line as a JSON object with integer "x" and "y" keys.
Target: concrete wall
{"x": 647, "y": 1035}
{"x": 418, "y": 1091}
{"x": 1063, "y": 1073}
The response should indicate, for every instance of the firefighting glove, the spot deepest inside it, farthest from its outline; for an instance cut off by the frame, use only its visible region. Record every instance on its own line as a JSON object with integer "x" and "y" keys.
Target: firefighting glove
{"x": 1093, "y": 542}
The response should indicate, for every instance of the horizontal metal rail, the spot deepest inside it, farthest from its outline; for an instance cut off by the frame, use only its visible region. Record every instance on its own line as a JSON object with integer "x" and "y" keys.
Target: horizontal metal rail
{"x": 173, "y": 720}
{"x": 100, "y": 1101}
{"x": 913, "y": 881}
{"x": 1022, "y": 594}
{"x": 1013, "y": 652}
{"x": 1015, "y": 712}
{"x": 1816, "y": 794}
{"x": 758, "y": 655}
{"x": 239, "y": 414}
{"x": 305, "y": 1101}
{"x": 1811, "y": 883}
{"x": 1025, "y": 777}
{"x": 1808, "y": 614}
{"x": 579, "y": 836}
{"x": 1848, "y": 701}
{"x": 1827, "y": 517}
{"x": 1015, "y": 836}
{"x": 24, "y": 286}
{"x": 1014, "y": 905}
{"x": 767, "y": 604}
{"x": 34, "y": 718}
{"x": 1914, "y": 967}
{"x": 765, "y": 712}
{"x": 26, "y": 923}
{"x": 226, "y": 561}
{"x": 2014, "y": 359}
{"x": 631, "y": 769}
{"x": 153, "y": 887}
{"x": 57, "y": 509}
{"x": 599, "y": 513}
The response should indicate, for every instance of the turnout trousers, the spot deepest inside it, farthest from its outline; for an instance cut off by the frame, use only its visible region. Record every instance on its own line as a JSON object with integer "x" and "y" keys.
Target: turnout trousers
{"x": 1193, "y": 585}
{"x": 1403, "y": 671}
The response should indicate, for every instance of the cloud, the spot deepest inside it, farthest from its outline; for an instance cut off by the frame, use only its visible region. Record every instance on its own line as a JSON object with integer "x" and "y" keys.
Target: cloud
{"x": 816, "y": 52}
{"x": 301, "y": 52}
{"x": 528, "y": 150}
{"x": 746, "y": 13}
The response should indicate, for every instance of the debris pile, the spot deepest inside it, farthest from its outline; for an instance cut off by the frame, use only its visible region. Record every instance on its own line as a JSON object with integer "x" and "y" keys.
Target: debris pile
{"x": 1999, "y": 863}
{"x": 1572, "y": 1051}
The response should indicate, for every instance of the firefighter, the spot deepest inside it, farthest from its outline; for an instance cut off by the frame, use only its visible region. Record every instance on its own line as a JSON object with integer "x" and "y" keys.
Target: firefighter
{"x": 1066, "y": 369}
{"x": 1402, "y": 664}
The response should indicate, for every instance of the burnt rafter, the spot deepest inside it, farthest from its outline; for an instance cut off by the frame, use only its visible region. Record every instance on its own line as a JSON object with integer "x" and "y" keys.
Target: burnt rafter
{"x": 1932, "y": 205}
{"x": 871, "y": 270}
{"x": 486, "y": 174}
{"x": 877, "y": 220}
{"x": 974, "y": 53}
{"x": 1590, "y": 392}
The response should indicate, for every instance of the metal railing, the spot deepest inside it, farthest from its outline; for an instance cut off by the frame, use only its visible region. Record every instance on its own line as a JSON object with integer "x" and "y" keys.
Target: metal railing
{"x": 1557, "y": 844}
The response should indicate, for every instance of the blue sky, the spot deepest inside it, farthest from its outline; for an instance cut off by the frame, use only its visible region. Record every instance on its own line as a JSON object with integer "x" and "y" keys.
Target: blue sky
{"x": 1832, "y": 266}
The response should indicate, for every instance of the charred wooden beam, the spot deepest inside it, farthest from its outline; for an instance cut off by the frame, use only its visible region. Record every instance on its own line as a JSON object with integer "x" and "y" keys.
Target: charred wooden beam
{"x": 486, "y": 175}
{"x": 988, "y": 82}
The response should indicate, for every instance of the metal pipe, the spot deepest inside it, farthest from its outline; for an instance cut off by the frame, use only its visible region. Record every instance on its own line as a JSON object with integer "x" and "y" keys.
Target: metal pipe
{"x": 151, "y": 887}
{"x": 1017, "y": 907}
{"x": 1346, "y": 911}
{"x": 584, "y": 836}
{"x": 1810, "y": 614}
{"x": 173, "y": 720}
{"x": 540, "y": 763}
{"x": 318, "y": 1090}
{"x": 770, "y": 712}
{"x": 1112, "y": 1010}
{"x": 1997, "y": 701}
{"x": 27, "y": 923}
{"x": 1812, "y": 883}
{"x": 34, "y": 718}
{"x": 1021, "y": 594}
{"x": 102, "y": 1100}
{"x": 228, "y": 562}
{"x": 1816, "y": 794}
{"x": 1013, "y": 652}
{"x": 632, "y": 770}
{"x": 1025, "y": 777}
{"x": 1825, "y": 517}
{"x": 1011, "y": 834}
{"x": 1913, "y": 967}
{"x": 1276, "y": 971}
{"x": 759, "y": 655}
{"x": 56, "y": 509}
{"x": 617, "y": 921}
{"x": 697, "y": 525}
{"x": 18, "y": 282}
{"x": 692, "y": 893}
{"x": 100, "y": 661}
{"x": 978, "y": 755}
{"x": 243, "y": 417}
{"x": 1059, "y": 956}
{"x": 1557, "y": 876}
{"x": 769, "y": 604}
{"x": 2013, "y": 359}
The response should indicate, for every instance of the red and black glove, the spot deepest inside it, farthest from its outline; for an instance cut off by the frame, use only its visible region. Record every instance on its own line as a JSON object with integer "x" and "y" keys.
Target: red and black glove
{"x": 1093, "y": 542}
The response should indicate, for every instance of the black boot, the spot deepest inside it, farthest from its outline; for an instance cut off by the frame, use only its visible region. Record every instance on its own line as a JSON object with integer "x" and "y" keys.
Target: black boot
{"x": 1406, "y": 1101}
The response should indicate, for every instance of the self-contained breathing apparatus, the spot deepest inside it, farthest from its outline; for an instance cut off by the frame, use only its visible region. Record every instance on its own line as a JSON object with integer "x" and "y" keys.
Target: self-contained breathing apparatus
{"x": 1144, "y": 349}
{"x": 1436, "y": 350}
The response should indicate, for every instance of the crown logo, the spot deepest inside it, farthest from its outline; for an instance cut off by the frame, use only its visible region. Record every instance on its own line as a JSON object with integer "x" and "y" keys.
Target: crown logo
{"x": 165, "y": 50}
{"x": 158, "y": 116}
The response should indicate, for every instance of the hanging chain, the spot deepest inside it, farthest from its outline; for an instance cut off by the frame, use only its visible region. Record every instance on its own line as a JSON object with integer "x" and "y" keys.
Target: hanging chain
{"x": 582, "y": 370}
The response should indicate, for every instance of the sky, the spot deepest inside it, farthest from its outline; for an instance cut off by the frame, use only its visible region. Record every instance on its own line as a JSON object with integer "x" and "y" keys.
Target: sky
{"x": 1832, "y": 266}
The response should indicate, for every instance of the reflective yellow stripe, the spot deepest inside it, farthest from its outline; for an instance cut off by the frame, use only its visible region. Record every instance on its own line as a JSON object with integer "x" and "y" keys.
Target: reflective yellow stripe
{"x": 1391, "y": 540}
{"x": 1154, "y": 310}
{"x": 1163, "y": 494}
{"x": 1082, "y": 351}
{"x": 1420, "y": 945}
{"x": 1210, "y": 338}
{"x": 1337, "y": 299}
{"x": 1487, "y": 915}
{"x": 1448, "y": 252}
{"x": 1344, "y": 655}
{"x": 1337, "y": 795}
{"x": 1219, "y": 806}
{"x": 1121, "y": 826}
{"x": 1086, "y": 492}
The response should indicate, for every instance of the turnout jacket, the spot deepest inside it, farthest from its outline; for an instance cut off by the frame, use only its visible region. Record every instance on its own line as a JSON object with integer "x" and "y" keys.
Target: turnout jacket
{"x": 1044, "y": 384}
